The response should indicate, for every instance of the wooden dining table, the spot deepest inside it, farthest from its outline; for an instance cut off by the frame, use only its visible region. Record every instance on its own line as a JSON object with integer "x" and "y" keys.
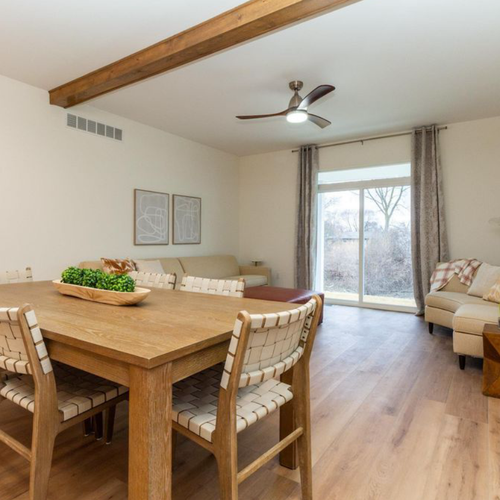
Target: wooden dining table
{"x": 146, "y": 347}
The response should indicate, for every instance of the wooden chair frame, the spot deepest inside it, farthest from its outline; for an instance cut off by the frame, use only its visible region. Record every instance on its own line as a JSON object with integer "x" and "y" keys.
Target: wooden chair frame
{"x": 224, "y": 445}
{"x": 47, "y": 420}
{"x": 11, "y": 277}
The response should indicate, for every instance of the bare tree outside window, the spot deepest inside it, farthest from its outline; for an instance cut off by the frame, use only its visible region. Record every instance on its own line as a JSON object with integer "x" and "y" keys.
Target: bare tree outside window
{"x": 387, "y": 200}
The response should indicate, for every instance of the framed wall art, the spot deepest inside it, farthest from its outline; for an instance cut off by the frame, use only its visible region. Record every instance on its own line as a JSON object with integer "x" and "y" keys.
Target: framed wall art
{"x": 151, "y": 217}
{"x": 186, "y": 220}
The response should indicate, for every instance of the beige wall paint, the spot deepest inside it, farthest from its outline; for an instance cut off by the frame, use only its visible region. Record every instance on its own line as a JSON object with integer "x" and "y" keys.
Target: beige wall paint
{"x": 267, "y": 212}
{"x": 470, "y": 153}
{"x": 471, "y": 169}
{"x": 67, "y": 196}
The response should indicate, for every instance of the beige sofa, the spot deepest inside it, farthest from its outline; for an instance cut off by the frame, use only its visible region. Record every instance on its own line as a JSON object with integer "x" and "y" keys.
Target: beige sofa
{"x": 465, "y": 314}
{"x": 213, "y": 266}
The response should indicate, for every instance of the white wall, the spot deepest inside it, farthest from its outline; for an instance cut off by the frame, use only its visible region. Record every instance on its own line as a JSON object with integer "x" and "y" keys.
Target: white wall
{"x": 67, "y": 196}
{"x": 470, "y": 154}
{"x": 267, "y": 212}
{"x": 471, "y": 168}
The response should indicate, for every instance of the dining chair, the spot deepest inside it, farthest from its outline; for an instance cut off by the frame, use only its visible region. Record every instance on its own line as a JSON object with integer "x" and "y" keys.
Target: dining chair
{"x": 59, "y": 396}
{"x": 9, "y": 277}
{"x": 231, "y": 288}
{"x": 213, "y": 406}
{"x": 153, "y": 280}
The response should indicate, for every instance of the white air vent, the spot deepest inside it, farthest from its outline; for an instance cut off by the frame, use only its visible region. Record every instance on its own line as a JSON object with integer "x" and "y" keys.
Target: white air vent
{"x": 93, "y": 127}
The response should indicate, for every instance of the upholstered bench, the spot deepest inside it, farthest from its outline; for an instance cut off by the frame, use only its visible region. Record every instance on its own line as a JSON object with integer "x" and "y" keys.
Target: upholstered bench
{"x": 293, "y": 295}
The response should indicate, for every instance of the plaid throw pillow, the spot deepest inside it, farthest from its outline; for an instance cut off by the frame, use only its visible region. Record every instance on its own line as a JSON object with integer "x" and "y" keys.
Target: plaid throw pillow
{"x": 494, "y": 294}
{"x": 118, "y": 266}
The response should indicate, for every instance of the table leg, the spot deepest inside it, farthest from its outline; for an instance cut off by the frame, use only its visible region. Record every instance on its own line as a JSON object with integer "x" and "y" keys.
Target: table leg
{"x": 150, "y": 439}
{"x": 289, "y": 456}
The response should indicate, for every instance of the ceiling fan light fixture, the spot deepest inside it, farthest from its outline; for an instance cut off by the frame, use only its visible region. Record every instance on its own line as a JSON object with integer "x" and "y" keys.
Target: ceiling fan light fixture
{"x": 296, "y": 116}
{"x": 297, "y": 111}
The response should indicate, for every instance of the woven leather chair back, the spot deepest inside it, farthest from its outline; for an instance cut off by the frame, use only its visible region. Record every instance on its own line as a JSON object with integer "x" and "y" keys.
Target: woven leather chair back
{"x": 153, "y": 280}
{"x": 276, "y": 343}
{"x": 14, "y": 356}
{"x": 231, "y": 288}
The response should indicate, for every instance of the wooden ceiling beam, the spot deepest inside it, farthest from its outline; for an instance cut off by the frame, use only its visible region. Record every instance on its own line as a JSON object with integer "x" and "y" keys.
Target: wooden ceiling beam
{"x": 245, "y": 22}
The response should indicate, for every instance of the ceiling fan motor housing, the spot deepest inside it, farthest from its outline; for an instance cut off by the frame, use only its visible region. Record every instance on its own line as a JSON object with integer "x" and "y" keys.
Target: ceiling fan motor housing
{"x": 296, "y": 86}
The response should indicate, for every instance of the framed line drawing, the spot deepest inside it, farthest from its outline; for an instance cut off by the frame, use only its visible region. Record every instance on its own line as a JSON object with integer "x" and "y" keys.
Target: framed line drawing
{"x": 186, "y": 220}
{"x": 151, "y": 217}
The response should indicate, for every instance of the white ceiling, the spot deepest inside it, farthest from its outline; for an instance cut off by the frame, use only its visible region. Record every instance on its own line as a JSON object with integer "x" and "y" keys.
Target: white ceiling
{"x": 396, "y": 64}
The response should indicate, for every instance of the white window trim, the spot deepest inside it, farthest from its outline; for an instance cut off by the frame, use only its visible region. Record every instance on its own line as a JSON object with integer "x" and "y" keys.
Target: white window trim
{"x": 349, "y": 186}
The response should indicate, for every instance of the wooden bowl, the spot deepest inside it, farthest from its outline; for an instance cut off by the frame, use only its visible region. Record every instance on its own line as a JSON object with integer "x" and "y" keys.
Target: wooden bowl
{"x": 102, "y": 296}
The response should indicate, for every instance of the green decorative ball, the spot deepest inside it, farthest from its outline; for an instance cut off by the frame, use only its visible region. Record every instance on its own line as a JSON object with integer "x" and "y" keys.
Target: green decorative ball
{"x": 73, "y": 276}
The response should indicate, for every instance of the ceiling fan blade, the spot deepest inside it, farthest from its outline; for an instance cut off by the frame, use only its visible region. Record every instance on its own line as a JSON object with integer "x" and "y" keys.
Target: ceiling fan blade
{"x": 317, "y": 120}
{"x": 316, "y": 94}
{"x": 253, "y": 117}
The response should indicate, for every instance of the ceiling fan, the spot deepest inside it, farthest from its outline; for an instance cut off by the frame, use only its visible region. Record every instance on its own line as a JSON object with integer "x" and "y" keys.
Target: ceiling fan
{"x": 297, "y": 108}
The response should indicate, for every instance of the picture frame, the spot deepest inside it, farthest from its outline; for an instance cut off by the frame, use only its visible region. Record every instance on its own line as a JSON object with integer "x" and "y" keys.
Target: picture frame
{"x": 151, "y": 218}
{"x": 186, "y": 220}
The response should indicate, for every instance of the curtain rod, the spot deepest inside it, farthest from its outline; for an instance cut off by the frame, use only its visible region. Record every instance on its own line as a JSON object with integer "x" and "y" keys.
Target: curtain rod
{"x": 366, "y": 139}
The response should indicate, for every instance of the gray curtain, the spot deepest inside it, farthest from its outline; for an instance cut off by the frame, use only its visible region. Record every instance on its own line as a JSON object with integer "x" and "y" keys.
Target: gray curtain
{"x": 429, "y": 241}
{"x": 307, "y": 194}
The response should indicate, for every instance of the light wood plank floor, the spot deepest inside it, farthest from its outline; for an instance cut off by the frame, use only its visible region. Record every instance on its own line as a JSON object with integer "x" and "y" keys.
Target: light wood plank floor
{"x": 393, "y": 417}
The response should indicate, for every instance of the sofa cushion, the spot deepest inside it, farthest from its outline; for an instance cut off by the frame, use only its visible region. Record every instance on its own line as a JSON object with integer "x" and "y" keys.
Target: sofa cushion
{"x": 485, "y": 278}
{"x": 455, "y": 285}
{"x": 439, "y": 316}
{"x": 91, "y": 264}
{"x": 149, "y": 266}
{"x": 250, "y": 279}
{"x": 471, "y": 318}
{"x": 215, "y": 266}
{"x": 494, "y": 294}
{"x": 450, "y": 301}
{"x": 469, "y": 345}
{"x": 171, "y": 266}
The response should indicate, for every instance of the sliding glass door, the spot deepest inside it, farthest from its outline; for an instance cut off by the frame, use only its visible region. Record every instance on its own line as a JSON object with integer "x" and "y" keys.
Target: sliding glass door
{"x": 340, "y": 228}
{"x": 364, "y": 229}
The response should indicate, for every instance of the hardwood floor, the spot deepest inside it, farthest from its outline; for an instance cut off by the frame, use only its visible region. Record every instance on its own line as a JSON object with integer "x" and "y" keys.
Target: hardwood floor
{"x": 393, "y": 419}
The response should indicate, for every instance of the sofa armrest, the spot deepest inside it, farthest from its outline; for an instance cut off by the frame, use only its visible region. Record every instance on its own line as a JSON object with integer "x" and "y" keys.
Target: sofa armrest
{"x": 259, "y": 270}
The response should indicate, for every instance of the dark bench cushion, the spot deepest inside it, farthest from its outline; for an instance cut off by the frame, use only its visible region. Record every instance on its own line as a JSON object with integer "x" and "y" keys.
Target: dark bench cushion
{"x": 293, "y": 295}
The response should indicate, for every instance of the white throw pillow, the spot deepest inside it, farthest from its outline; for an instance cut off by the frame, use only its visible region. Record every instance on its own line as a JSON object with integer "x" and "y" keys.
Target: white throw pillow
{"x": 150, "y": 266}
{"x": 486, "y": 277}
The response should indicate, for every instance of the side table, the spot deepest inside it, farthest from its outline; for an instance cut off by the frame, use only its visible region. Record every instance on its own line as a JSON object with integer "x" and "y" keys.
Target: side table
{"x": 491, "y": 366}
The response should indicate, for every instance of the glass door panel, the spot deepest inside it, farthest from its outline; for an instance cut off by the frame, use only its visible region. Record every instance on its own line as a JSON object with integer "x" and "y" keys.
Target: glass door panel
{"x": 387, "y": 246}
{"x": 340, "y": 244}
